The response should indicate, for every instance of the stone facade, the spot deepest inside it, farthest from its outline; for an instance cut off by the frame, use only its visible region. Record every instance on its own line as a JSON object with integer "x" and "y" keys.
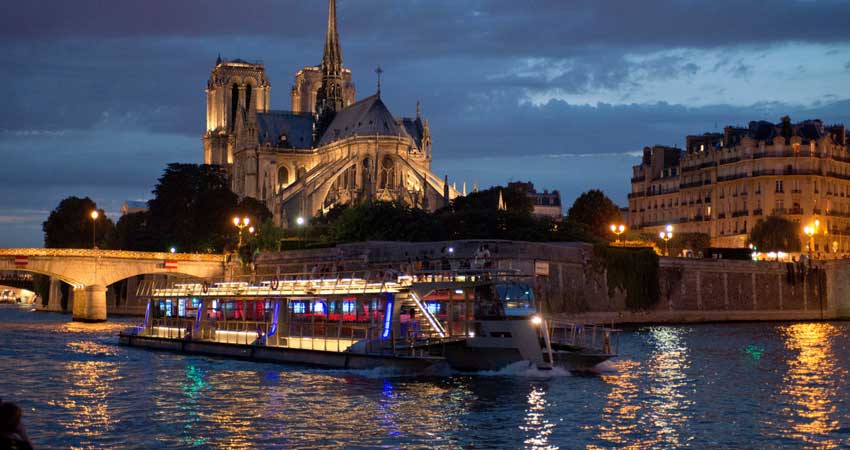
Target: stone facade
{"x": 573, "y": 283}
{"x": 722, "y": 184}
{"x": 328, "y": 150}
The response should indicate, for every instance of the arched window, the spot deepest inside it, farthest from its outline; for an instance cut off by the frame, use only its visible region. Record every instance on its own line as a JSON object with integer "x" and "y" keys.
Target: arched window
{"x": 248, "y": 97}
{"x": 234, "y": 105}
{"x": 387, "y": 179}
{"x": 282, "y": 178}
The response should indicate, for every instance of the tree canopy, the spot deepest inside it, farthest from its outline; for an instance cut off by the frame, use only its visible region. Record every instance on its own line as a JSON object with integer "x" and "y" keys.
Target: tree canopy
{"x": 776, "y": 234}
{"x": 192, "y": 210}
{"x": 70, "y": 225}
{"x": 596, "y": 211}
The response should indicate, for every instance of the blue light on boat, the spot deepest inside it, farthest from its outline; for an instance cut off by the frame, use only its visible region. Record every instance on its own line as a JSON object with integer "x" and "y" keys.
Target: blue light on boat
{"x": 147, "y": 314}
{"x": 198, "y": 316}
{"x": 388, "y": 317}
{"x": 273, "y": 328}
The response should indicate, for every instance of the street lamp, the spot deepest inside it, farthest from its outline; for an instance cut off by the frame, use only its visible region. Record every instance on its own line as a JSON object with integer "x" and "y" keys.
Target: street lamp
{"x": 618, "y": 230}
{"x": 94, "y": 216}
{"x": 667, "y": 234}
{"x": 809, "y": 230}
{"x": 241, "y": 224}
{"x": 300, "y": 221}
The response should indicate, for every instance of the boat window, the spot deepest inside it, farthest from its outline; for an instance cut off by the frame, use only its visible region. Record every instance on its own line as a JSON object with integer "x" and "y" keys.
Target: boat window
{"x": 517, "y": 299}
{"x": 487, "y": 304}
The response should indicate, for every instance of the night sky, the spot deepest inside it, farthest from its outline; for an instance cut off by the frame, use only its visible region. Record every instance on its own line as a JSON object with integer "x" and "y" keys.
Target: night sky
{"x": 98, "y": 96}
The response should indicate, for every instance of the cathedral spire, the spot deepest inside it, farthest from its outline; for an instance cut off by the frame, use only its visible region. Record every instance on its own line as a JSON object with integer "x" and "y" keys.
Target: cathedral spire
{"x": 332, "y": 56}
{"x": 329, "y": 98}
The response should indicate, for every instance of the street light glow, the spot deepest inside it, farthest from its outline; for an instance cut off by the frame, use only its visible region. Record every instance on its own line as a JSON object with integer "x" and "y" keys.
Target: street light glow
{"x": 95, "y": 215}
{"x": 300, "y": 220}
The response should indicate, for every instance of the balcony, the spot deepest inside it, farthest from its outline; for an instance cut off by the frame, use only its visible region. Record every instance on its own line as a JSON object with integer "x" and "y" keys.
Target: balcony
{"x": 741, "y": 213}
{"x": 817, "y": 211}
{"x": 736, "y": 176}
{"x": 730, "y": 160}
{"x": 780, "y": 211}
{"x": 796, "y": 191}
{"x": 691, "y": 184}
{"x": 721, "y": 215}
{"x": 796, "y": 211}
{"x": 758, "y": 212}
{"x": 840, "y": 176}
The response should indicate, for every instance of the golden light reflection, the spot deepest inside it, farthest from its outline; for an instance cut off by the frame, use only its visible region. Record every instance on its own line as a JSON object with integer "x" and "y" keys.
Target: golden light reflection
{"x": 89, "y": 385}
{"x": 812, "y": 381}
{"x": 653, "y": 417}
{"x": 306, "y": 410}
{"x": 535, "y": 424}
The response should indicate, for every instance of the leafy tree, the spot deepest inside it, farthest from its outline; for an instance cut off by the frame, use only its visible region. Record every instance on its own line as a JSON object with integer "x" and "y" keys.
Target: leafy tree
{"x": 132, "y": 233}
{"x": 776, "y": 234}
{"x": 70, "y": 225}
{"x": 254, "y": 209}
{"x": 383, "y": 221}
{"x": 596, "y": 211}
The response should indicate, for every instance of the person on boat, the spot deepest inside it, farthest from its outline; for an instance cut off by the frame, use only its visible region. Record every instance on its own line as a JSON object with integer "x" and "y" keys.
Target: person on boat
{"x": 13, "y": 435}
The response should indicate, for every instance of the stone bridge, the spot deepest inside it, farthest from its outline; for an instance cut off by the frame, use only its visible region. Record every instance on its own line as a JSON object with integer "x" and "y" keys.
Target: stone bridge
{"x": 89, "y": 272}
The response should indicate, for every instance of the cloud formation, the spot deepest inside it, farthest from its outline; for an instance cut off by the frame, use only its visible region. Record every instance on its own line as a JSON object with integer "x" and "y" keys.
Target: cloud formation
{"x": 100, "y": 96}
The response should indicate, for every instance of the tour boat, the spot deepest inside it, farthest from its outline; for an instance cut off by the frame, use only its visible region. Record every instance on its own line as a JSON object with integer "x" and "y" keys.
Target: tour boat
{"x": 467, "y": 320}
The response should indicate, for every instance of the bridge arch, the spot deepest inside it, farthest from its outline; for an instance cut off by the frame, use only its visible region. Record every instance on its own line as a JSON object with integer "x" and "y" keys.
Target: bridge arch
{"x": 89, "y": 272}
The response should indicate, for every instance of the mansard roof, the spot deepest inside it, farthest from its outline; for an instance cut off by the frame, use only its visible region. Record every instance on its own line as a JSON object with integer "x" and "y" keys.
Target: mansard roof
{"x": 368, "y": 117}
{"x": 808, "y": 130}
{"x": 296, "y": 127}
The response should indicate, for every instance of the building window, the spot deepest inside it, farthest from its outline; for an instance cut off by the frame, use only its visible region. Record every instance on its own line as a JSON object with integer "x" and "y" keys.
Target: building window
{"x": 387, "y": 180}
{"x": 779, "y": 187}
{"x": 282, "y": 177}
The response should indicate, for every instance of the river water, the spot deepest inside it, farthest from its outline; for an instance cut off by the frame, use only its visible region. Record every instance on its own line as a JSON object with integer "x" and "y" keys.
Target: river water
{"x": 760, "y": 385}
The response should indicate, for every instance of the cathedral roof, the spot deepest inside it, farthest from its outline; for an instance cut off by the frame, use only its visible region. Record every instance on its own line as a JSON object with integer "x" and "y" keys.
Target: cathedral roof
{"x": 368, "y": 117}
{"x": 297, "y": 129}
{"x": 412, "y": 127}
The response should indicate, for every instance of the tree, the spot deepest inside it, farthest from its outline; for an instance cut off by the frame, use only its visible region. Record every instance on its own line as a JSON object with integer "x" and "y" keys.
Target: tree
{"x": 132, "y": 233}
{"x": 254, "y": 209}
{"x": 596, "y": 211}
{"x": 192, "y": 210}
{"x": 70, "y": 225}
{"x": 776, "y": 234}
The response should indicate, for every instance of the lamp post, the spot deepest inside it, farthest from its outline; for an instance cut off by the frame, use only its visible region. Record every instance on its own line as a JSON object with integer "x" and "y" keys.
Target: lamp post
{"x": 241, "y": 224}
{"x": 809, "y": 230}
{"x": 301, "y": 221}
{"x": 618, "y": 230}
{"x": 94, "y": 216}
{"x": 667, "y": 234}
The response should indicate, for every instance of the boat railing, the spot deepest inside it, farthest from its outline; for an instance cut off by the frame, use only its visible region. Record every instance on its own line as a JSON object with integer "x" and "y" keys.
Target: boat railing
{"x": 595, "y": 337}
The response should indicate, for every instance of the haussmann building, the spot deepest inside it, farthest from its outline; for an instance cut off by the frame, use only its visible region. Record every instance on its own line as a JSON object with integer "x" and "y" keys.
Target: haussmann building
{"x": 722, "y": 184}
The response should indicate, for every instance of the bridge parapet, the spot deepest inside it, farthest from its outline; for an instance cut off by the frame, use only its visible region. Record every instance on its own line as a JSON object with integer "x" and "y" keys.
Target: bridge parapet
{"x": 123, "y": 254}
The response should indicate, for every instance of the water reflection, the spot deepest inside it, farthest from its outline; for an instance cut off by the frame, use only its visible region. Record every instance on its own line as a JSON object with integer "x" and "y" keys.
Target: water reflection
{"x": 89, "y": 385}
{"x": 811, "y": 383}
{"x": 657, "y": 414}
{"x": 537, "y": 427}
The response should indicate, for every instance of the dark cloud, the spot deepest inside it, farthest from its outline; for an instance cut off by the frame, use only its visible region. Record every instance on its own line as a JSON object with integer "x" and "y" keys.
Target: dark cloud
{"x": 541, "y": 27}
{"x": 98, "y": 96}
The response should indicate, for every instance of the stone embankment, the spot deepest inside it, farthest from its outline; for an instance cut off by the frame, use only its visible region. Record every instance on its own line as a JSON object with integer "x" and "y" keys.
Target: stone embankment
{"x": 571, "y": 281}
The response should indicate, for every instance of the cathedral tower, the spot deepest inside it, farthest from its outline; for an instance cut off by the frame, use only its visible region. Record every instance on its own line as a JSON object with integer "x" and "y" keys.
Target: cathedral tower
{"x": 329, "y": 98}
{"x": 233, "y": 86}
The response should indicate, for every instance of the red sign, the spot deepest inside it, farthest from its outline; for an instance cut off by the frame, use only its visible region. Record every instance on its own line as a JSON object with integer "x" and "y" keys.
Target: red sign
{"x": 21, "y": 260}
{"x": 170, "y": 264}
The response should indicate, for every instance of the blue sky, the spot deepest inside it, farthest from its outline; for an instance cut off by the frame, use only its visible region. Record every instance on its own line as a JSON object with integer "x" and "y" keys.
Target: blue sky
{"x": 100, "y": 96}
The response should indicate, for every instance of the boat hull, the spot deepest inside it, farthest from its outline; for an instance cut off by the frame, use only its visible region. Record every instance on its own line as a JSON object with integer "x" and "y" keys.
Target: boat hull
{"x": 259, "y": 353}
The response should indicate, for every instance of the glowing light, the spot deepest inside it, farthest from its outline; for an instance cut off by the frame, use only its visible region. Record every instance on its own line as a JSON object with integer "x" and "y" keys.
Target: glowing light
{"x": 95, "y": 215}
{"x": 173, "y": 250}
{"x": 472, "y": 334}
{"x": 388, "y": 318}
{"x": 536, "y": 320}
{"x": 300, "y": 221}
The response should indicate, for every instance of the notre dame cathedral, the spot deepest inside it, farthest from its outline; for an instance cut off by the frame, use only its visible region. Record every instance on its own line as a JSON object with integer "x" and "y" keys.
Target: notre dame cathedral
{"x": 330, "y": 149}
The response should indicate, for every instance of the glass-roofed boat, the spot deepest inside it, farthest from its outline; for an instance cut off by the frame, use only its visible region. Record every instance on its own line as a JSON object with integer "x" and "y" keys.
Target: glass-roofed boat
{"x": 468, "y": 320}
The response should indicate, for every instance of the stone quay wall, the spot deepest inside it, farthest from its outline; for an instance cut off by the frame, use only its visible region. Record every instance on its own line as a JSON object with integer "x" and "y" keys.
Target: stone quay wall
{"x": 571, "y": 282}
